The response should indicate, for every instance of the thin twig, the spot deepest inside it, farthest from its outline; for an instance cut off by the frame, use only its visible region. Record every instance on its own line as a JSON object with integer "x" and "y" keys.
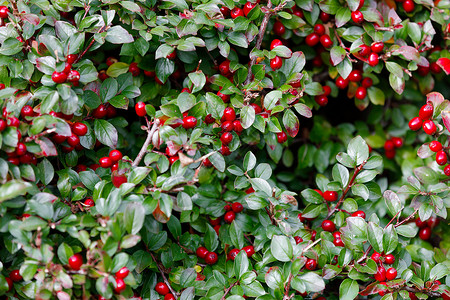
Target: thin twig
{"x": 163, "y": 276}
{"x": 35, "y": 137}
{"x": 146, "y": 143}
{"x": 311, "y": 245}
{"x": 103, "y": 28}
{"x": 228, "y": 289}
{"x": 407, "y": 219}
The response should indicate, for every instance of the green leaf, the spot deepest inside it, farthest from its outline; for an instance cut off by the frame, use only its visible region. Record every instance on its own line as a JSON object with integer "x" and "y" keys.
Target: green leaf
{"x": 358, "y": 150}
{"x": 390, "y": 239}
{"x": 211, "y": 238}
{"x": 249, "y": 161}
{"x": 215, "y": 105}
{"x": 349, "y": 289}
{"x": 281, "y": 248}
{"x": 13, "y": 188}
{"x": 134, "y": 217}
{"x": 108, "y": 89}
{"x": 236, "y": 235}
{"x": 271, "y": 99}
{"x": 393, "y": 202}
{"x": 241, "y": 264}
{"x": 313, "y": 282}
{"x": 164, "y": 68}
{"x": 375, "y": 234}
{"x": 64, "y": 252}
{"x": 105, "y": 132}
{"x": 312, "y": 196}
{"x": 218, "y": 161}
{"x": 118, "y": 35}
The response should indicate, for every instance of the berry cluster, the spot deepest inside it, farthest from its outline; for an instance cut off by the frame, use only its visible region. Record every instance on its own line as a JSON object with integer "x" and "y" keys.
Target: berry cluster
{"x": 391, "y": 144}
{"x": 249, "y": 250}
{"x": 426, "y": 227}
{"x": 231, "y": 211}
{"x": 162, "y": 289}
{"x": 382, "y": 274}
{"x": 209, "y": 257}
{"x": 355, "y": 76}
{"x": 68, "y": 74}
{"x": 424, "y": 120}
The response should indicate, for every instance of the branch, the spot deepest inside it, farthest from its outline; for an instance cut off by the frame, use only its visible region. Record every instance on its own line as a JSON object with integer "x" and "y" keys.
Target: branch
{"x": 163, "y": 276}
{"x": 287, "y": 288}
{"x": 311, "y": 245}
{"x": 227, "y": 290}
{"x": 146, "y": 143}
{"x": 16, "y": 13}
{"x": 349, "y": 185}
{"x": 35, "y": 137}
{"x": 407, "y": 219}
{"x": 103, "y": 28}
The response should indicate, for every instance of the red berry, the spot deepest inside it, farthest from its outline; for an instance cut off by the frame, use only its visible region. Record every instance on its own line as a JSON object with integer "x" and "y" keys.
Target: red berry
{"x": 73, "y": 140}
{"x": 173, "y": 159}
{"x": 224, "y": 68}
{"x": 298, "y": 239}
{"x": 376, "y": 257}
{"x": 423, "y": 71}
{"x": 373, "y": 59}
{"x": 441, "y": 158}
{"x": 225, "y": 11}
{"x": 256, "y": 107}
{"x": 359, "y": 213}
{"x": 189, "y": 122}
{"x": 281, "y": 137}
{"x": 381, "y": 274}
{"x": 59, "y": 77}
{"x": 228, "y": 114}
{"x": 3, "y": 125}
{"x": 226, "y": 138}
{"x": 122, "y": 273}
{"x": 398, "y": 142}
{"x": 328, "y": 225}
{"x": 278, "y": 28}
{"x": 357, "y": 16}
{"x": 425, "y": 233}
{"x": 201, "y": 252}
{"x": 249, "y": 190}
{"x": 214, "y": 221}
{"x": 79, "y": 129}
{"x": 225, "y": 150}
{"x": 408, "y": 5}
{"x": 341, "y": 83}
{"x": 225, "y": 98}
{"x": 276, "y": 63}
{"x": 232, "y": 254}
{"x": 324, "y": 17}
{"x": 172, "y": 55}
{"x": 338, "y": 242}
{"x": 275, "y": 43}
{"x": 389, "y": 145}
{"x": 434, "y": 67}
{"x": 248, "y": 7}
{"x": 390, "y": 154}
{"x": 326, "y": 41}
{"x": 322, "y": 100}
{"x": 429, "y": 127}
{"x": 319, "y": 29}
{"x": 89, "y": 202}
{"x": 326, "y": 90}
{"x": 391, "y": 273}
{"x": 377, "y": 47}
{"x": 105, "y": 162}
{"x": 10, "y": 283}
{"x": 389, "y": 259}
{"x": 237, "y": 207}
{"x": 312, "y": 39}
{"x": 426, "y": 111}
{"x": 229, "y": 217}
{"x": 311, "y": 264}
{"x": 102, "y": 75}
{"x": 249, "y": 250}
{"x": 209, "y": 119}
{"x": 75, "y": 261}
{"x": 227, "y": 207}
{"x": 100, "y": 112}
{"x": 15, "y": 276}
{"x": 13, "y": 122}
{"x": 330, "y": 196}
{"x": 162, "y": 288}
{"x": 415, "y": 124}
{"x": 134, "y": 69}
{"x": 170, "y": 296}
{"x": 140, "y": 109}
{"x": 237, "y": 126}
{"x": 297, "y": 11}
{"x": 365, "y": 50}
{"x": 227, "y": 126}
{"x": 71, "y": 58}
{"x": 361, "y": 93}
{"x": 367, "y": 82}
{"x": 447, "y": 170}
{"x": 211, "y": 258}
{"x": 236, "y": 12}
{"x": 420, "y": 223}
{"x": 115, "y": 155}
{"x": 355, "y": 76}
{"x": 26, "y": 111}
{"x": 21, "y": 149}
{"x": 4, "y": 12}
{"x": 432, "y": 222}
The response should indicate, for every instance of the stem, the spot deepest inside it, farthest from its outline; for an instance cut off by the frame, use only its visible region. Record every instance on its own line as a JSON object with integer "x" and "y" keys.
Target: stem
{"x": 163, "y": 276}
{"x": 228, "y": 289}
{"x": 146, "y": 143}
{"x": 311, "y": 245}
{"x": 288, "y": 287}
{"x": 365, "y": 255}
{"x": 16, "y": 13}
{"x": 393, "y": 218}
{"x": 407, "y": 219}
{"x": 35, "y": 137}
{"x": 103, "y": 28}
{"x": 349, "y": 185}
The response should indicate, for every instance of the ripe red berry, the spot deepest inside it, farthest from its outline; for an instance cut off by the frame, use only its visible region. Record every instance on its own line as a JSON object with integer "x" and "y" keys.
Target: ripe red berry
{"x": 381, "y": 274}
{"x": 398, "y": 142}
{"x": 227, "y": 126}
{"x": 311, "y": 264}
{"x": 357, "y": 16}
{"x": 120, "y": 286}
{"x": 10, "y": 283}
{"x": 73, "y": 140}
{"x": 429, "y": 127}
{"x": 59, "y": 77}
{"x": 105, "y": 162}
{"x": 211, "y": 258}
{"x": 225, "y": 150}
{"x": 248, "y": 7}
{"x": 434, "y": 67}
{"x": 15, "y": 276}
{"x": 278, "y": 28}
{"x": 319, "y": 29}
{"x": 189, "y": 122}
{"x": 79, "y": 129}
{"x": 426, "y": 111}
{"x": 237, "y": 207}
{"x": 338, "y": 242}
{"x": 373, "y": 59}
{"x": 162, "y": 288}
{"x": 298, "y": 239}
{"x": 322, "y": 100}
{"x": 377, "y": 47}
{"x": 100, "y": 112}
{"x": 225, "y": 11}
{"x": 275, "y": 43}
{"x": 73, "y": 76}
{"x": 3, "y": 125}
{"x": 225, "y": 98}
{"x": 415, "y": 124}
{"x": 226, "y": 138}
{"x": 328, "y": 225}
{"x": 391, "y": 273}
{"x": 26, "y": 111}
{"x": 237, "y": 126}
{"x": 390, "y": 154}
{"x": 425, "y": 233}
{"x": 330, "y": 196}
{"x": 214, "y": 221}
{"x": 4, "y": 12}
{"x": 312, "y": 39}
{"x": 365, "y": 50}
{"x": 229, "y": 217}
{"x": 209, "y": 119}
{"x": 232, "y": 254}
{"x": 408, "y": 5}
{"x": 134, "y": 69}
{"x": 140, "y": 109}
{"x": 21, "y": 149}
{"x": 367, "y": 82}
{"x": 447, "y": 170}
{"x": 355, "y": 76}
{"x": 115, "y": 155}
{"x": 326, "y": 41}
{"x": 71, "y": 58}
{"x": 281, "y": 137}
{"x": 441, "y": 158}
{"x": 324, "y": 17}
{"x": 389, "y": 145}
{"x": 228, "y": 114}
{"x": 249, "y": 250}
{"x": 89, "y": 202}
{"x": 75, "y": 261}
{"x": 432, "y": 222}
{"x": 201, "y": 252}
{"x": 359, "y": 213}
{"x": 276, "y": 63}
{"x": 224, "y": 68}
{"x": 376, "y": 257}
{"x": 389, "y": 259}
{"x": 341, "y": 83}
{"x": 326, "y": 90}
{"x": 173, "y": 159}
{"x": 236, "y": 12}
{"x": 420, "y": 223}
{"x": 361, "y": 93}
{"x": 122, "y": 273}
{"x": 172, "y": 55}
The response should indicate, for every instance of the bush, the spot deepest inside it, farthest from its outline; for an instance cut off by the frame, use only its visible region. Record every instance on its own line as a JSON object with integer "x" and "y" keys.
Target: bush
{"x": 153, "y": 149}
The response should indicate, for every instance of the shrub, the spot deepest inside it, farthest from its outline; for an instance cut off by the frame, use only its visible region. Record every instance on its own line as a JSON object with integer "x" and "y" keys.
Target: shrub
{"x": 153, "y": 149}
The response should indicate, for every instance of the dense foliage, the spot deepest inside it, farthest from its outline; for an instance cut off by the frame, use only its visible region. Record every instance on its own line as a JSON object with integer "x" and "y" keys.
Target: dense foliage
{"x": 153, "y": 149}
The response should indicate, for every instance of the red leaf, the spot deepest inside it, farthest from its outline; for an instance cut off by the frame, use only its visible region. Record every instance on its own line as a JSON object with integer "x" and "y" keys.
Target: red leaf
{"x": 373, "y": 288}
{"x": 435, "y": 98}
{"x": 444, "y": 63}
{"x": 31, "y": 18}
{"x": 47, "y": 147}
